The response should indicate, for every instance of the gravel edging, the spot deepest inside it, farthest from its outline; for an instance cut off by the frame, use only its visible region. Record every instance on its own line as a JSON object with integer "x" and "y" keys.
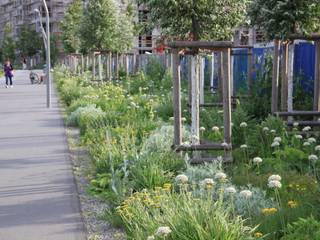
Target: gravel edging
{"x": 91, "y": 207}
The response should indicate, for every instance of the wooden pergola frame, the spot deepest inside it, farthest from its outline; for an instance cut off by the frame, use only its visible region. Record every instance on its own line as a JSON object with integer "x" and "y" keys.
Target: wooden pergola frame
{"x": 285, "y": 112}
{"x": 196, "y": 145}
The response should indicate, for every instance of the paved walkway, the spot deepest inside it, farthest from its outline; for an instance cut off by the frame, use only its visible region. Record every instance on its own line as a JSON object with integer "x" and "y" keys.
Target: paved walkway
{"x": 38, "y": 197}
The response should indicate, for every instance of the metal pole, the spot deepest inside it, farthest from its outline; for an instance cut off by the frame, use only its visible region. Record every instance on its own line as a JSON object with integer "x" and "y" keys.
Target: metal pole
{"x": 48, "y": 55}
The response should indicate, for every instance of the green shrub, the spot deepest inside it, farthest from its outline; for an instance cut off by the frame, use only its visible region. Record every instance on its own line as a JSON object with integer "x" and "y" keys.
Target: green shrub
{"x": 304, "y": 228}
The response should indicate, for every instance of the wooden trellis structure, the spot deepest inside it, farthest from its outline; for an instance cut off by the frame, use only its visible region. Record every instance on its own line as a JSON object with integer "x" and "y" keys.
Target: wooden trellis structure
{"x": 196, "y": 144}
{"x": 286, "y": 109}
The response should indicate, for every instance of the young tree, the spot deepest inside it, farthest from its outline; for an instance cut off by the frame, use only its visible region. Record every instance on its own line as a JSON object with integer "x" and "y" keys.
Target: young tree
{"x": 104, "y": 27}
{"x": 8, "y": 44}
{"x": 70, "y": 27}
{"x": 198, "y": 19}
{"x": 280, "y": 18}
{"x": 29, "y": 42}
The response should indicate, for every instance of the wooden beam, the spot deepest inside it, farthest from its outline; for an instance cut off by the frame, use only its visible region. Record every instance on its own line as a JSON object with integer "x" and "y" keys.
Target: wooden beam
{"x": 311, "y": 37}
{"x": 304, "y": 123}
{"x": 201, "y": 44}
{"x": 226, "y": 159}
{"x": 275, "y": 76}
{"x": 297, "y": 113}
{"x": 316, "y": 100}
{"x": 177, "y": 99}
{"x": 226, "y": 95}
{"x": 284, "y": 78}
{"x": 202, "y": 147}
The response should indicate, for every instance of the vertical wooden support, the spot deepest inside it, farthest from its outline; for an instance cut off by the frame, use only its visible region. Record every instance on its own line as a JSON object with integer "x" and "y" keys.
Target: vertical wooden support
{"x": 284, "y": 78}
{"x": 212, "y": 73}
{"x": 275, "y": 76}
{"x": 202, "y": 67}
{"x": 226, "y": 83}
{"x": 87, "y": 63}
{"x": 110, "y": 67}
{"x": 189, "y": 79}
{"x": 233, "y": 91}
{"x": 290, "y": 77}
{"x": 117, "y": 66}
{"x": 100, "y": 67}
{"x": 250, "y": 70}
{"x": 177, "y": 99}
{"x": 316, "y": 101}
{"x": 195, "y": 115}
{"x": 220, "y": 76}
{"x": 127, "y": 64}
{"x": 134, "y": 63}
{"x": 82, "y": 63}
{"x": 93, "y": 66}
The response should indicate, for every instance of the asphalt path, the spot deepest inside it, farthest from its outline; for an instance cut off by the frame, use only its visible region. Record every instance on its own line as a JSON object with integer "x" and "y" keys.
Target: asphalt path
{"x": 38, "y": 195}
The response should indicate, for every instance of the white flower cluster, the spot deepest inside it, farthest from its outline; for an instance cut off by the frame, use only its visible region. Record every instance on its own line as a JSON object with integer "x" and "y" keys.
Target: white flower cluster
{"x": 246, "y": 193}
{"x": 317, "y": 148}
{"x": 202, "y": 129}
{"x": 220, "y": 176}
{"x": 313, "y": 158}
{"x": 306, "y": 144}
{"x": 182, "y": 179}
{"x": 273, "y": 131}
{"x": 243, "y": 125}
{"x": 295, "y": 124}
{"x": 275, "y": 144}
{"x": 230, "y": 190}
{"x": 257, "y": 160}
{"x": 163, "y": 231}
{"x": 215, "y": 129}
{"x": 277, "y": 139}
{"x": 312, "y": 140}
{"x": 208, "y": 181}
{"x": 265, "y": 129}
{"x": 306, "y": 129}
{"x": 298, "y": 136}
{"x": 151, "y": 238}
{"x": 274, "y": 181}
{"x": 243, "y": 146}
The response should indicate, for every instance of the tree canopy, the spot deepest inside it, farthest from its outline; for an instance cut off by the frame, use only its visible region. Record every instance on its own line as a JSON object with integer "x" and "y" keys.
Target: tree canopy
{"x": 8, "y": 44}
{"x": 280, "y": 18}
{"x": 29, "y": 41}
{"x": 70, "y": 27}
{"x": 105, "y": 27}
{"x": 196, "y": 19}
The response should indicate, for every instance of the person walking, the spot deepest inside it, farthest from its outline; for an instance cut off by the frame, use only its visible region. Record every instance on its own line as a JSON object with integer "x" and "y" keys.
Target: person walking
{"x": 8, "y": 72}
{"x": 24, "y": 64}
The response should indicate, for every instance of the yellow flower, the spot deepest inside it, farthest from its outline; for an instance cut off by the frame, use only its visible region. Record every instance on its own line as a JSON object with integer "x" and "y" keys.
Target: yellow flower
{"x": 258, "y": 234}
{"x": 292, "y": 204}
{"x": 167, "y": 186}
{"x": 269, "y": 211}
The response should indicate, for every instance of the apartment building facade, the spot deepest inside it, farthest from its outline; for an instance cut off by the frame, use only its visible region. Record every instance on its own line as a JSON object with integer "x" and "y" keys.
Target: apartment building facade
{"x": 20, "y": 12}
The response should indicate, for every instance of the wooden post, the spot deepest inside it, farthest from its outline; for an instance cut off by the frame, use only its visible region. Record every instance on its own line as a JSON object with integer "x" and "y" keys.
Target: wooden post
{"x": 202, "y": 67}
{"x": 226, "y": 83}
{"x": 220, "y": 76}
{"x": 110, "y": 67}
{"x": 233, "y": 91}
{"x": 93, "y": 66}
{"x": 316, "y": 101}
{"x": 290, "y": 77}
{"x": 177, "y": 99}
{"x": 99, "y": 67}
{"x": 82, "y": 63}
{"x": 189, "y": 79}
{"x": 127, "y": 65}
{"x": 250, "y": 70}
{"x": 195, "y": 128}
{"x": 117, "y": 66}
{"x": 212, "y": 73}
{"x": 275, "y": 76}
{"x": 284, "y": 78}
{"x": 87, "y": 63}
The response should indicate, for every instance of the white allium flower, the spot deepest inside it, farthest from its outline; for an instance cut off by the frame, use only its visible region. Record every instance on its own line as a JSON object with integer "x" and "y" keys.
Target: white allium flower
{"x": 220, "y": 158}
{"x": 312, "y": 140}
{"x": 202, "y": 129}
{"x": 274, "y": 178}
{"x": 257, "y": 160}
{"x": 274, "y": 184}
{"x": 273, "y": 131}
{"x": 220, "y": 175}
{"x": 306, "y": 129}
{"x": 183, "y": 119}
{"x": 171, "y": 118}
{"x": 306, "y": 144}
{"x": 277, "y": 139}
{"x": 298, "y": 136}
{"x": 265, "y": 129}
{"x": 243, "y": 124}
{"x": 163, "y": 231}
{"x": 243, "y": 146}
{"x": 151, "y": 238}
{"x": 230, "y": 190}
{"x": 186, "y": 144}
{"x": 208, "y": 181}
{"x": 295, "y": 124}
{"x": 224, "y": 144}
{"x": 232, "y": 124}
{"x": 220, "y": 111}
{"x": 246, "y": 193}
{"x": 313, "y": 158}
{"x": 181, "y": 178}
{"x": 275, "y": 144}
{"x": 215, "y": 129}
{"x": 317, "y": 148}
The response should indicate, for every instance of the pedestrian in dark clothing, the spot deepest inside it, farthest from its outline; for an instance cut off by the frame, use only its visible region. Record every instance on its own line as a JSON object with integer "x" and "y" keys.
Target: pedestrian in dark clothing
{"x": 8, "y": 72}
